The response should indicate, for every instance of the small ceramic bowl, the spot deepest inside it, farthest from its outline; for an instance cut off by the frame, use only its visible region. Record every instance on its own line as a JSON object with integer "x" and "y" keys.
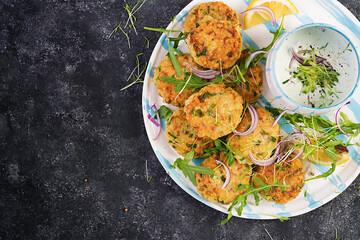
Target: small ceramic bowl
{"x": 329, "y": 42}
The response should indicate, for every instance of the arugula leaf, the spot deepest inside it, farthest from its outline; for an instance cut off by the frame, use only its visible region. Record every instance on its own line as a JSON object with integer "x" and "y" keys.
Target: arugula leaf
{"x": 281, "y": 218}
{"x": 188, "y": 170}
{"x": 193, "y": 82}
{"x": 173, "y": 59}
{"x": 325, "y": 174}
{"x": 209, "y": 152}
{"x": 165, "y": 113}
{"x": 162, "y": 30}
{"x": 242, "y": 198}
{"x": 276, "y": 34}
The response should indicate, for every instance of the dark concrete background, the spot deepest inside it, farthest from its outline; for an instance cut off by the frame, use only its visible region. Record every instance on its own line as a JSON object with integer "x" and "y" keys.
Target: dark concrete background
{"x": 73, "y": 147}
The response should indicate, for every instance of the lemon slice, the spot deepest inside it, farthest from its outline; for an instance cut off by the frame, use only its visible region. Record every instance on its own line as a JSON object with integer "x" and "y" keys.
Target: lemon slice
{"x": 280, "y": 8}
{"x": 321, "y": 158}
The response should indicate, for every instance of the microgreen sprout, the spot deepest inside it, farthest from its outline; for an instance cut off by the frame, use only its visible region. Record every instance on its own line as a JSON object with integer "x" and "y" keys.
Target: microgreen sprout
{"x": 118, "y": 27}
{"x": 148, "y": 40}
{"x": 131, "y": 19}
{"x": 268, "y": 234}
{"x": 137, "y": 73}
{"x": 131, "y": 14}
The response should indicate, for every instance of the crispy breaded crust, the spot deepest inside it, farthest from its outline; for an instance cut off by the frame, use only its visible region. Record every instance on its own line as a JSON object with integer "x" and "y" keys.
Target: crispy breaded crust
{"x": 167, "y": 90}
{"x": 210, "y": 188}
{"x": 214, "y": 111}
{"x": 182, "y": 137}
{"x": 261, "y": 142}
{"x": 291, "y": 174}
{"x": 215, "y": 44}
{"x": 215, "y": 10}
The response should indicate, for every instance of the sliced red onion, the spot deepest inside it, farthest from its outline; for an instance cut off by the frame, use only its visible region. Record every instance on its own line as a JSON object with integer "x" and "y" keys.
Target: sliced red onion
{"x": 228, "y": 174}
{"x": 291, "y": 61}
{"x": 206, "y": 74}
{"x": 156, "y": 123}
{"x": 298, "y": 58}
{"x": 337, "y": 119}
{"x": 254, "y": 122}
{"x": 290, "y": 138}
{"x": 252, "y": 56}
{"x": 298, "y": 155}
{"x": 263, "y": 9}
{"x": 281, "y": 114}
{"x": 319, "y": 59}
{"x": 265, "y": 162}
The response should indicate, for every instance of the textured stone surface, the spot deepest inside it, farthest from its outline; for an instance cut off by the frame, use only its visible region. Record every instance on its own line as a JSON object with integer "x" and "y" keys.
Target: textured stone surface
{"x": 73, "y": 147}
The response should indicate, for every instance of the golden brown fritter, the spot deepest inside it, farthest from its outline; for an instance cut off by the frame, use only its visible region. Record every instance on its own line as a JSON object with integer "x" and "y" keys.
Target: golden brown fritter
{"x": 167, "y": 90}
{"x": 215, "y": 44}
{"x": 214, "y": 111}
{"x": 211, "y": 10}
{"x": 287, "y": 173}
{"x": 182, "y": 137}
{"x": 210, "y": 188}
{"x": 261, "y": 142}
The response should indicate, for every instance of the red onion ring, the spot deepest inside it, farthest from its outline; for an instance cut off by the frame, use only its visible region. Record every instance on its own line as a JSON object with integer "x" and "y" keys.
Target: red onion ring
{"x": 290, "y": 138}
{"x": 298, "y": 58}
{"x": 318, "y": 59}
{"x": 337, "y": 119}
{"x": 206, "y": 74}
{"x": 252, "y": 56}
{"x": 266, "y": 162}
{"x": 263, "y": 9}
{"x": 281, "y": 114}
{"x": 228, "y": 174}
{"x": 291, "y": 61}
{"x": 156, "y": 123}
{"x": 254, "y": 122}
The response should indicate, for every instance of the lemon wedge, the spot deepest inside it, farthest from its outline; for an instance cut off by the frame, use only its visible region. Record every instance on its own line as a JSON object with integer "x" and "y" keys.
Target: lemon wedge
{"x": 321, "y": 158}
{"x": 280, "y": 8}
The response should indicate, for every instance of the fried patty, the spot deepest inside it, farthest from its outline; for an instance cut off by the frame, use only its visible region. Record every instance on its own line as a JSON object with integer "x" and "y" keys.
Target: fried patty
{"x": 261, "y": 142}
{"x": 215, "y": 44}
{"x": 287, "y": 173}
{"x": 211, "y": 10}
{"x": 214, "y": 111}
{"x": 210, "y": 188}
{"x": 167, "y": 90}
{"x": 182, "y": 137}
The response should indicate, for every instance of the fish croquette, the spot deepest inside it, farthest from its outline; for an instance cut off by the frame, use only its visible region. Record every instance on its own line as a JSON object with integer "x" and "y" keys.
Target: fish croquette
{"x": 215, "y": 44}
{"x": 286, "y": 173}
{"x": 211, "y": 10}
{"x": 182, "y": 137}
{"x": 167, "y": 90}
{"x": 261, "y": 142}
{"x": 210, "y": 187}
{"x": 214, "y": 111}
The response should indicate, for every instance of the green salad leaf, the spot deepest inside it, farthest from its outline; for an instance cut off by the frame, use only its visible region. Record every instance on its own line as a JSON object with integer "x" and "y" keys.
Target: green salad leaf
{"x": 242, "y": 198}
{"x": 188, "y": 170}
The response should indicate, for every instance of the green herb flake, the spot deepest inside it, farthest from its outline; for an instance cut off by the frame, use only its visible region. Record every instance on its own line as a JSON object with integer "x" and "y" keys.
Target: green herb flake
{"x": 202, "y": 53}
{"x": 164, "y": 112}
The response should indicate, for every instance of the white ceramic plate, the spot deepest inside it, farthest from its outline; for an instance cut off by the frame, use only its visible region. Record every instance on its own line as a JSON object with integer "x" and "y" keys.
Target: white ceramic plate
{"x": 319, "y": 191}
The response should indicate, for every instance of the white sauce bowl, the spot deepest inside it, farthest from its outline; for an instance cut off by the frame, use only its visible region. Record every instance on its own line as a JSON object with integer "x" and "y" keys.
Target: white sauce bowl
{"x": 289, "y": 95}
